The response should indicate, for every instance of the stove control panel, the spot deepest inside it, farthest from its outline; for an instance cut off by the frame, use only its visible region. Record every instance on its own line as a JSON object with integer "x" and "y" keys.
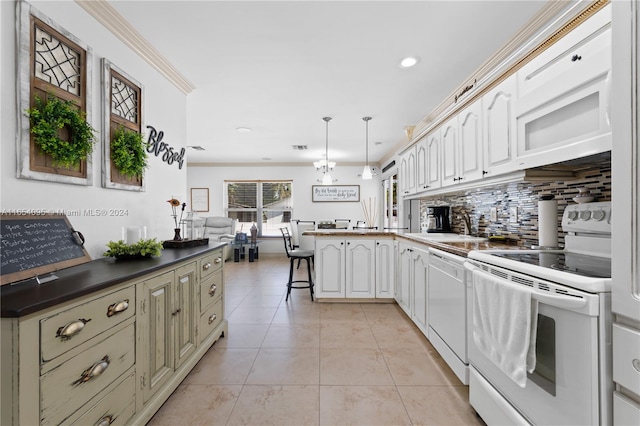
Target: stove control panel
{"x": 592, "y": 218}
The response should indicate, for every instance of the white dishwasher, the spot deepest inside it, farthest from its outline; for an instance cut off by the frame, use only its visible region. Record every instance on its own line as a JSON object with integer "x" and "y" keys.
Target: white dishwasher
{"x": 448, "y": 300}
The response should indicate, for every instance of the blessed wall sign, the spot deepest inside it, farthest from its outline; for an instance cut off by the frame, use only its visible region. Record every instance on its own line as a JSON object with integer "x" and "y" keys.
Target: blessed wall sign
{"x": 156, "y": 146}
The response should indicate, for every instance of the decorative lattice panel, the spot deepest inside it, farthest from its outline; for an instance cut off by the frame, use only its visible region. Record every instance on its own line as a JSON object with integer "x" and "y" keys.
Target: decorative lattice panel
{"x": 124, "y": 100}
{"x": 56, "y": 63}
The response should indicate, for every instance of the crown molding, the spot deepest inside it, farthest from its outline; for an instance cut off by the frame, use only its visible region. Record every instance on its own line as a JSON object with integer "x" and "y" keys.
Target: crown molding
{"x": 113, "y": 21}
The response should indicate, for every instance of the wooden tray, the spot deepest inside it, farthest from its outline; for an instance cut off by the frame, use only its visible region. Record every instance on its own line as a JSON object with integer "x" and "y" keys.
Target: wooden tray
{"x": 185, "y": 243}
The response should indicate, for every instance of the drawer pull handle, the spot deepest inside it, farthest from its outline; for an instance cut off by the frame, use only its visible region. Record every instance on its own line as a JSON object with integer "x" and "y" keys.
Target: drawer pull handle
{"x": 176, "y": 312}
{"x": 118, "y": 307}
{"x": 105, "y": 421}
{"x": 71, "y": 329}
{"x": 636, "y": 364}
{"x": 212, "y": 290}
{"x": 218, "y": 260}
{"x": 206, "y": 266}
{"x": 94, "y": 371}
{"x": 212, "y": 318}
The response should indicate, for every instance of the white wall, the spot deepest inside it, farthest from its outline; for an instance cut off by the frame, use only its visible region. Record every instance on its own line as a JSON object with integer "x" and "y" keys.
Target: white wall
{"x": 303, "y": 176}
{"x": 164, "y": 108}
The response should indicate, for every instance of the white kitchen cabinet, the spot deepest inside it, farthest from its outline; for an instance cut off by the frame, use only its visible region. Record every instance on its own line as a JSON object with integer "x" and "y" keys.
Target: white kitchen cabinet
{"x": 419, "y": 287}
{"x": 498, "y": 119}
{"x": 408, "y": 176}
{"x": 428, "y": 162}
{"x": 345, "y": 268}
{"x": 564, "y": 94}
{"x": 411, "y": 285}
{"x": 403, "y": 281}
{"x": 462, "y": 146}
{"x": 385, "y": 275}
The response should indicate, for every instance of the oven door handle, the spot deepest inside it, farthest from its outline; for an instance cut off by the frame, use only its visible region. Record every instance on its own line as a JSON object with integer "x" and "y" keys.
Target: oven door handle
{"x": 542, "y": 296}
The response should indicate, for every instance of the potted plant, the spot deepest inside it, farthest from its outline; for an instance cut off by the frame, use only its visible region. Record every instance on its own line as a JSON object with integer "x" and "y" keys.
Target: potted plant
{"x": 141, "y": 249}
{"x": 48, "y": 118}
{"x": 128, "y": 152}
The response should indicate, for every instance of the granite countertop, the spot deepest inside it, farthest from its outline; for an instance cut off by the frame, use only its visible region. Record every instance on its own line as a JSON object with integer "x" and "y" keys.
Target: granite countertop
{"x": 460, "y": 248}
{"x": 26, "y": 297}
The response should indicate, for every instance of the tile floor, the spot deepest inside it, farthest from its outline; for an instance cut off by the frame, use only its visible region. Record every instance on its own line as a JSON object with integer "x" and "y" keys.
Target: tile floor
{"x": 306, "y": 363}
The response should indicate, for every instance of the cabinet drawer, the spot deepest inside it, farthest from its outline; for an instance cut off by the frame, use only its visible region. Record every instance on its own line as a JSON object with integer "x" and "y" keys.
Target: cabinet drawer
{"x": 210, "y": 264}
{"x": 116, "y": 408}
{"x": 70, "y": 385}
{"x": 626, "y": 358}
{"x": 210, "y": 289}
{"x": 66, "y": 330}
{"x": 626, "y": 412}
{"x": 210, "y": 319}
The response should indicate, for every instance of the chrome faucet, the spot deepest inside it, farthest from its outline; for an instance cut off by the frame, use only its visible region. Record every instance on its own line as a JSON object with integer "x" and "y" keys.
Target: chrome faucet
{"x": 464, "y": 215}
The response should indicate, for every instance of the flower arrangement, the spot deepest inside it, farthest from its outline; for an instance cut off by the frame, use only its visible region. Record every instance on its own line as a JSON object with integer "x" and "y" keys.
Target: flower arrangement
{"x": 175, "y": 203}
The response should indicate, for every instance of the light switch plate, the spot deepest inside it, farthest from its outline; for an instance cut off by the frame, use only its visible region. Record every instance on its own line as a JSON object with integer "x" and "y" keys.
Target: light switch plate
{"x": 494, "y": 214}
{"x": 513, "y": 214}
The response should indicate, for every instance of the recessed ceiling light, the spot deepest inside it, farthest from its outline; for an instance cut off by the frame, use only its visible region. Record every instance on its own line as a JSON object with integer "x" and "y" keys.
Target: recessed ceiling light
{"x": 244, "y": 129}
{"x": 266, "y": 158}
{"x": 409, "y": 61}
{"x": 196, "y": 147}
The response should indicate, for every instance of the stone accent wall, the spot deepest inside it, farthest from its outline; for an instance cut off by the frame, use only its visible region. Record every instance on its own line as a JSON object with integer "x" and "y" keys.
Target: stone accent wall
{"x": 524, "y": 196}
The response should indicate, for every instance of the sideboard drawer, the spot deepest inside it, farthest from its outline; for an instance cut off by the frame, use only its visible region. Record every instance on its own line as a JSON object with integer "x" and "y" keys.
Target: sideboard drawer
{"x": 67, "y": 329}
{"x": 210, "y": 289}
{"x": 210, "y": 319}
{"x": 74, "y": 382}
{"x": 210, "y": 264}
{"x": 116, "y": 408}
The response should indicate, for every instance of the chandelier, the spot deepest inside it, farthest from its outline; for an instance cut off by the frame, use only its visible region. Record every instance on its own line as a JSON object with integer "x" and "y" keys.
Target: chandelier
{"x": 325, "y": 166}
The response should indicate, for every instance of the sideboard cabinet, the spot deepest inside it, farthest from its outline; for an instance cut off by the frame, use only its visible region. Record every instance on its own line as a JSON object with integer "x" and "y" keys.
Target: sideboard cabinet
{"x": 114, "y": 355}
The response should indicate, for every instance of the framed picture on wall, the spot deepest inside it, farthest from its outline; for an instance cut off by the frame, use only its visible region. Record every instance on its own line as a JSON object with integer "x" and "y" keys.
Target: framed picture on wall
{"x": 200, "y": 199}
{"x": 335, "y": 193}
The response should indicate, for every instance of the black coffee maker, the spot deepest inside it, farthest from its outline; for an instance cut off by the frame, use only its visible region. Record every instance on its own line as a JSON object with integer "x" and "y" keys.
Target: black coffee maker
{"x": 438, "y": 219}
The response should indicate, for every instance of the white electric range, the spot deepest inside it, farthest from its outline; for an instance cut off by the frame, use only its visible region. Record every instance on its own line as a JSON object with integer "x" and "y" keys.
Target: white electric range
{"x": 571, "y": 383}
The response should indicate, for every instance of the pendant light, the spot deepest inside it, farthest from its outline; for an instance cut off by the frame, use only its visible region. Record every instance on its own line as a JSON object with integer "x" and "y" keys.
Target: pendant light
{"x": 326, "y": 179}
{"x": 366, "y": 172}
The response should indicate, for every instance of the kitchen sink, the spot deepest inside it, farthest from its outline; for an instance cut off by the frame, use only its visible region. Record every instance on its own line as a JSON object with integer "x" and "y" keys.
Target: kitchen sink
{"x": 446, "y": 237}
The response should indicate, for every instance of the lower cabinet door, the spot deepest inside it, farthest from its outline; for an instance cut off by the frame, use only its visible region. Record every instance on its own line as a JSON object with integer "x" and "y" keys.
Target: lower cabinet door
{"x": 184, "y": 313}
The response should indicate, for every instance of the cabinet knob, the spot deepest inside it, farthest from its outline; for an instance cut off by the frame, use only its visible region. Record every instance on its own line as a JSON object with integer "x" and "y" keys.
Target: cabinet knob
{"x": 212, "y": 290}
{"x": 176, "y": 312}
{"x": 575, "y": 58}
{"x": 206, "y": 266}
{"x": 71, "y": 329}
{"x": 218, "y": 260}
{"x": 117, "y": 307}
{"x": 212, "y": 318}
{"x": 94, "y": 371}
{"x": 484, "y": 172}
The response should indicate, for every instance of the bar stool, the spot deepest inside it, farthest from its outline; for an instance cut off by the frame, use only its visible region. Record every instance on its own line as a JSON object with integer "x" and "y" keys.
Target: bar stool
{"x": 293, "y": 255}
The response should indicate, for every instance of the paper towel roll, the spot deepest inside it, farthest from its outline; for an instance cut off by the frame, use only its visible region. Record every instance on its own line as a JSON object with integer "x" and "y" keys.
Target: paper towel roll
{"x": 547, "y": 222}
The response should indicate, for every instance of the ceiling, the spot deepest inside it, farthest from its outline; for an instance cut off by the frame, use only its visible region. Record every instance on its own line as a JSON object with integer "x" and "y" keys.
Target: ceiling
{"x": 279, "y": 67}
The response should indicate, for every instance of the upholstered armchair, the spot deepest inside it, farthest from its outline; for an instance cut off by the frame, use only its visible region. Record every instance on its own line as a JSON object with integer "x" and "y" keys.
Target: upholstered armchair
{"x": 218, "y": 228}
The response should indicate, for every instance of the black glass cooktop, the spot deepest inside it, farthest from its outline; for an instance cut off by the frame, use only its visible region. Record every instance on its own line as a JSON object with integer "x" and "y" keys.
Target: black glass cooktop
{"x": 588, "y": 266}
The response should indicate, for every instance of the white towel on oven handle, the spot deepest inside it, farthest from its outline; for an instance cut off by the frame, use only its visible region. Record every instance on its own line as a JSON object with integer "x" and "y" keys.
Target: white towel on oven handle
{"x": 505, "y": 317}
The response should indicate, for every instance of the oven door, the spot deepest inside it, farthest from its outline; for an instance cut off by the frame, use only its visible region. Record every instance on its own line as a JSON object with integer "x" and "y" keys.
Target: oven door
{"x": 564, "y": 387}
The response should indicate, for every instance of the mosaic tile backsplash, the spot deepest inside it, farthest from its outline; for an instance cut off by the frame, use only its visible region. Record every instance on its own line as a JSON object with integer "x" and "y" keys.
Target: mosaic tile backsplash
{"x": 524, "y": 196}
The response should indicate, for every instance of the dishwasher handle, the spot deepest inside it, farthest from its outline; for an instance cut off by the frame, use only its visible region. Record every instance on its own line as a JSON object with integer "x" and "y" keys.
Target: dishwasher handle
{"x": 542, "y": 296}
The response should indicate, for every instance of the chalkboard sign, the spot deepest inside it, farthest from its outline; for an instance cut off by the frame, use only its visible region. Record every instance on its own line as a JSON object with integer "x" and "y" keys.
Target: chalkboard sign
{"x": 39, "y": 244}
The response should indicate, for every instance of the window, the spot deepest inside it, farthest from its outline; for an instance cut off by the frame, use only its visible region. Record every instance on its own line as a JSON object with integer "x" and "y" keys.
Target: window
{"x": 270, "y": 201}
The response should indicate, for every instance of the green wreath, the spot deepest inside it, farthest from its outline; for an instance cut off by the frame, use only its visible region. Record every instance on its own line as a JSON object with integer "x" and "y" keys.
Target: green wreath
{"x": 48, "y": 118}
{"x": 128, "y": 152}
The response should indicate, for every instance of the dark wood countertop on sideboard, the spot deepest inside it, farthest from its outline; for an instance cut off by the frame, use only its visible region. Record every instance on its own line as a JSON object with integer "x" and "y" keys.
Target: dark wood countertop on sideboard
{"x": 27, "y": 297}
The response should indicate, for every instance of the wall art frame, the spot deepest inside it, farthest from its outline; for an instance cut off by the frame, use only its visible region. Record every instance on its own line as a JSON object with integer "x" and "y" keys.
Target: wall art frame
{"x": 200, "y": 199}
{"x": 335, "y": 193}
{"x": 24, "y": 156}
{"x": 111, "y": 76}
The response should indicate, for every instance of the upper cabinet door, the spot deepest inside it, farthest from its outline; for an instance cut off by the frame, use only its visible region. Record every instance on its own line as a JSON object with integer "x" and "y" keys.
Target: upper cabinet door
{"x": 433, "y": 160}
{"x": 408, "y": 172}
{"x": 470, "y": 152}
{"x": 421, "y": 165}
{"x": 449, "y": 133}
{"x": 498, "y": 128}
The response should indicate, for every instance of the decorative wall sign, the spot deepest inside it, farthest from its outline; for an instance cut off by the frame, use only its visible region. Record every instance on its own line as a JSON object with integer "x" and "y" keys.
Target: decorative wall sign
{"x": 200, "y": 199}
{"x": 157, "y": 147}
{"x": 335, "y": 193}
